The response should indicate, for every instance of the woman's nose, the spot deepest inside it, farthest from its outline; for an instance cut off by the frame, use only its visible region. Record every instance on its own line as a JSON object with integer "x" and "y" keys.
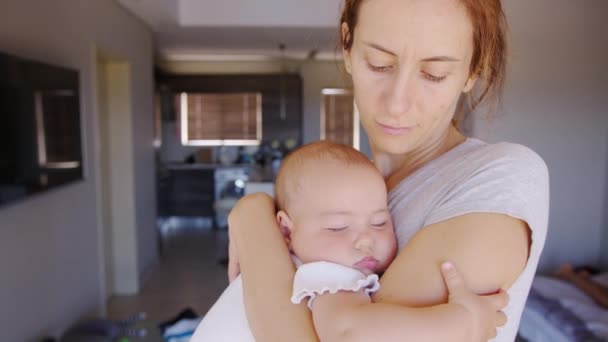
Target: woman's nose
{"x": 399, "y": 99}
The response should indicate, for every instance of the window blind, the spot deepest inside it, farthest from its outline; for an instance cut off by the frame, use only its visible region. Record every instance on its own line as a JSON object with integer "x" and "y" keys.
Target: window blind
{"x": 221, "y": 119}
{"x": 337, "y": 116}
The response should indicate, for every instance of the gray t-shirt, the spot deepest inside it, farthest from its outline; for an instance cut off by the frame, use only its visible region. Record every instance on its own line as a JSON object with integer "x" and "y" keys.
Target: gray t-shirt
{"x": 476, "y": 177}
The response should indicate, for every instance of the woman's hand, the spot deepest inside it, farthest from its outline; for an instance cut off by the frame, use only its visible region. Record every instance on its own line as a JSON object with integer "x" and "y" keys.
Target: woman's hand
{"x": 238, "y": 219}
{"x": 485, "y": 311}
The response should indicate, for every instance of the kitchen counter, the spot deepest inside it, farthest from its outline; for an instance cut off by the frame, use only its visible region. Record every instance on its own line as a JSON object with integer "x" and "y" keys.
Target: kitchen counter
{"x": 255, "y": 172}
{"x": 207, "y": 189}
{"x": 195, "y": 166}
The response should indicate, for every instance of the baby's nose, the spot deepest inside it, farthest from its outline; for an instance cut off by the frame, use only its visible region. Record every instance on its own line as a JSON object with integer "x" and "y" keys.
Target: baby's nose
{"x": 364, "y": 243}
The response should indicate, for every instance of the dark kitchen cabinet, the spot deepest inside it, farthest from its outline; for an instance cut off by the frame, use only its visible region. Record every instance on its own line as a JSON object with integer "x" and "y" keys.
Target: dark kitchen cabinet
{"x": 187, "y": 192}
{"x": 277, "y": 90}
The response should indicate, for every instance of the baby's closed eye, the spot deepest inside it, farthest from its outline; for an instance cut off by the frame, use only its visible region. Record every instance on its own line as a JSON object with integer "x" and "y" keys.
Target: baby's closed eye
{"x": 336, "y": 229}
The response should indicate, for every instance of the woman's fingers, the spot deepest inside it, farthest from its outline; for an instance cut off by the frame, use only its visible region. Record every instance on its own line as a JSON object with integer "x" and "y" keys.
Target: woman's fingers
{"x": 501, "y": 319}
{"x": 499, "y": 300}
{"x": 492, "y": 334}
{"x": 485, "y": 310}
{"x": 453, "y": 279}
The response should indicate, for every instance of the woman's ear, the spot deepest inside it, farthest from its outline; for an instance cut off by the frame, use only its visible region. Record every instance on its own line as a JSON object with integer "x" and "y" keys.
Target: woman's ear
{"x": 285, "y": 225}
{"x": 345, "y": 52}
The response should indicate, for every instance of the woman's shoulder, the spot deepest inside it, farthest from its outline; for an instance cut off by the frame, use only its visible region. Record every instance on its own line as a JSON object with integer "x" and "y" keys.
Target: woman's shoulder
{"x": 501, "y": 177}
{"x": 504, "y": 178}
{"x": 506, "y": 157}
{"x": 476, "y": 162}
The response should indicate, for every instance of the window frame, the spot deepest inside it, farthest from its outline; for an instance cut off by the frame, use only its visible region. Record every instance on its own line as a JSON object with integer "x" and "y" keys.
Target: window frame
{"x": 356, "y": 133}
{"x": 183, "y": 112}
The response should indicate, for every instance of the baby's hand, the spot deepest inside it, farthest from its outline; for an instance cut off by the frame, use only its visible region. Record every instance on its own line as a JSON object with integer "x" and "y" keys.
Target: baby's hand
{"x": 484, "y": 311}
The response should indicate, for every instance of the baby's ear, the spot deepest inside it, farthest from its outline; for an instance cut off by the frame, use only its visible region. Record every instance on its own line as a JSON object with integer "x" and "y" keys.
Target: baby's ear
{"x": 285, "y": 224}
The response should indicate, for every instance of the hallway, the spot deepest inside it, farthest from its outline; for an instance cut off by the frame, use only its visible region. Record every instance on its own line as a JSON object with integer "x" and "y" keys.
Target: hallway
{"x": 188, "y": 275}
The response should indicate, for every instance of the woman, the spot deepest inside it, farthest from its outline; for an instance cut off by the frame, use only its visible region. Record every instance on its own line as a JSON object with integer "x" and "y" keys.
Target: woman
{"x": 414, "y": 64}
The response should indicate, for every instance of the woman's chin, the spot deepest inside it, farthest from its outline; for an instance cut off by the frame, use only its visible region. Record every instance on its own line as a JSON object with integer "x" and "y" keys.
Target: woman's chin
{"x": 392, "y": 145}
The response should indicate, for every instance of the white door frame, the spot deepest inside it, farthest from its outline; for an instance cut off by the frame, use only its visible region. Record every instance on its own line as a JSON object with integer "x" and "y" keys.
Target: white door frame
{"x": 114, "y": 177}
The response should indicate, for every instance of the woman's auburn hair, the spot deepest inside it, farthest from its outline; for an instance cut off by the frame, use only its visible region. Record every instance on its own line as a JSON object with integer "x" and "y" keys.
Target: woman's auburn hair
{"x": 489, "y": 61}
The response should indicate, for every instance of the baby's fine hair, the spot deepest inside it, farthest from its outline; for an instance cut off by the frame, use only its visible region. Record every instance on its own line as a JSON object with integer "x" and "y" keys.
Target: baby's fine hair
{"x": 317, "y": 152}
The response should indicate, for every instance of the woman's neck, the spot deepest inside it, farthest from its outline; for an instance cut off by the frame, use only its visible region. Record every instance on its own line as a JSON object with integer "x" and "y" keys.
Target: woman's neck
{"x": 395, "y": 168}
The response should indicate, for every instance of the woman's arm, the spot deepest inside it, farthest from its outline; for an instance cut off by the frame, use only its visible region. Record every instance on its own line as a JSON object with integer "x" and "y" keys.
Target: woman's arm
{"x": 491, "y": 251}
{"x": 267, "y": 272}
{"x": 351, "y": 317}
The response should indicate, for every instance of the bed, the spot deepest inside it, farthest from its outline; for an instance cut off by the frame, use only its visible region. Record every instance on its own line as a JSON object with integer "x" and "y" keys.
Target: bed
{"x": 557, "y": 311}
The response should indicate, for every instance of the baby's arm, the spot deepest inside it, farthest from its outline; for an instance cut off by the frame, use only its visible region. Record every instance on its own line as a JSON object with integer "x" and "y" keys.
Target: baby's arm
{"x": 350, "y": 316}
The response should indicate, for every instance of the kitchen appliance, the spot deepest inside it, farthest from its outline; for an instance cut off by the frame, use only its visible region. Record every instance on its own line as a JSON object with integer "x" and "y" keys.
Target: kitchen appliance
{"x": 230, "y": 185}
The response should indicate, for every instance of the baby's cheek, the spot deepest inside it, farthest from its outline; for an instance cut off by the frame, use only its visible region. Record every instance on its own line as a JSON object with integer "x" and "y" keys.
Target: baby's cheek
{"x": 390, "y": 248}
{"x": 332, "y": 250}
{"x": 302, "y": 249}
{"x": 309, "y": 248}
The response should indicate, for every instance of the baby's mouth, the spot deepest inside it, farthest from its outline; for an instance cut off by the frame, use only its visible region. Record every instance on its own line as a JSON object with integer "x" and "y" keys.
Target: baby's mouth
{"x": 368, "y": 264}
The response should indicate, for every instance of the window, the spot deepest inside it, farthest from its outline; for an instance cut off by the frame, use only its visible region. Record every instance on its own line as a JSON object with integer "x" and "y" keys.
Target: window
{"x": 339, "y": 119}
{"x": 220, "y": 119}
{"x": 58, "y": 131}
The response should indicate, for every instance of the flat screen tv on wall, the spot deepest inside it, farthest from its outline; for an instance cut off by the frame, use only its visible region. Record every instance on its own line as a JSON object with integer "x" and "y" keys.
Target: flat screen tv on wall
{"x": 40, "y": 137}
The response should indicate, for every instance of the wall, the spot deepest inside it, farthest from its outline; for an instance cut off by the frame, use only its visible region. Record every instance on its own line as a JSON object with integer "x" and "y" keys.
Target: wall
{"x": 50, "y": 244}
{"x": 556, "y": 102}
{"x": 604, "y": 73}
{"x": 604, "y": 239}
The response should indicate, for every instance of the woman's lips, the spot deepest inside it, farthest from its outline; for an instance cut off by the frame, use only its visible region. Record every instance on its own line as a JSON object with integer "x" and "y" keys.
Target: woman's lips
{"x": 367, "y": 263}
{"x": 391, "y": 130}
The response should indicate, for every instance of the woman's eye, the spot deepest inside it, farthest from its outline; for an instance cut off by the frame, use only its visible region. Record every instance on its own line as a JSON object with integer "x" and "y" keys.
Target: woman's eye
{"x": 380, "y": 224}
{"x": 434, "y": 78}
{"x": 379, "y": 68}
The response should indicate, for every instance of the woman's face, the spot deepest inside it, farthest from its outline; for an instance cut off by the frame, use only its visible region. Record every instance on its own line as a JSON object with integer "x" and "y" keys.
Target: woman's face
{"x": 410, "y": 63}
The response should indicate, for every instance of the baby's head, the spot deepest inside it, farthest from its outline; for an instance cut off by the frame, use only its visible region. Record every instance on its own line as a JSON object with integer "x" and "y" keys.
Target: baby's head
{"x": 333, "y": 207}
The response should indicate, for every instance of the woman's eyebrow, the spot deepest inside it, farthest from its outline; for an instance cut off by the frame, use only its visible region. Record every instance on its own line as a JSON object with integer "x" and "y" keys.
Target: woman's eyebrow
{"x": 380, "y": 48}
{"x": 441, "y": 59}
{"x": 429, "y": 59}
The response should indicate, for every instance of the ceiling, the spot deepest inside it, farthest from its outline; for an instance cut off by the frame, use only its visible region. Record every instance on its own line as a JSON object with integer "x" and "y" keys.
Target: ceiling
{"x": 190, "y": 30}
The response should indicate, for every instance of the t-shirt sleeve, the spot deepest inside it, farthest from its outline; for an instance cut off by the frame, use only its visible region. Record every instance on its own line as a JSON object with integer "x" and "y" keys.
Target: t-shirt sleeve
{"x": 511, "y": 179}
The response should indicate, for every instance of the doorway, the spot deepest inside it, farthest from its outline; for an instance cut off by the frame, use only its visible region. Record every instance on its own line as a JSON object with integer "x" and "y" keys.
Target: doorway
{"x": 116, "y": 195}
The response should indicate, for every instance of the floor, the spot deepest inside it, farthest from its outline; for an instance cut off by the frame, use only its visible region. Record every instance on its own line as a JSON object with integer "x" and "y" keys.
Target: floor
{"x": 188, "y": 275}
